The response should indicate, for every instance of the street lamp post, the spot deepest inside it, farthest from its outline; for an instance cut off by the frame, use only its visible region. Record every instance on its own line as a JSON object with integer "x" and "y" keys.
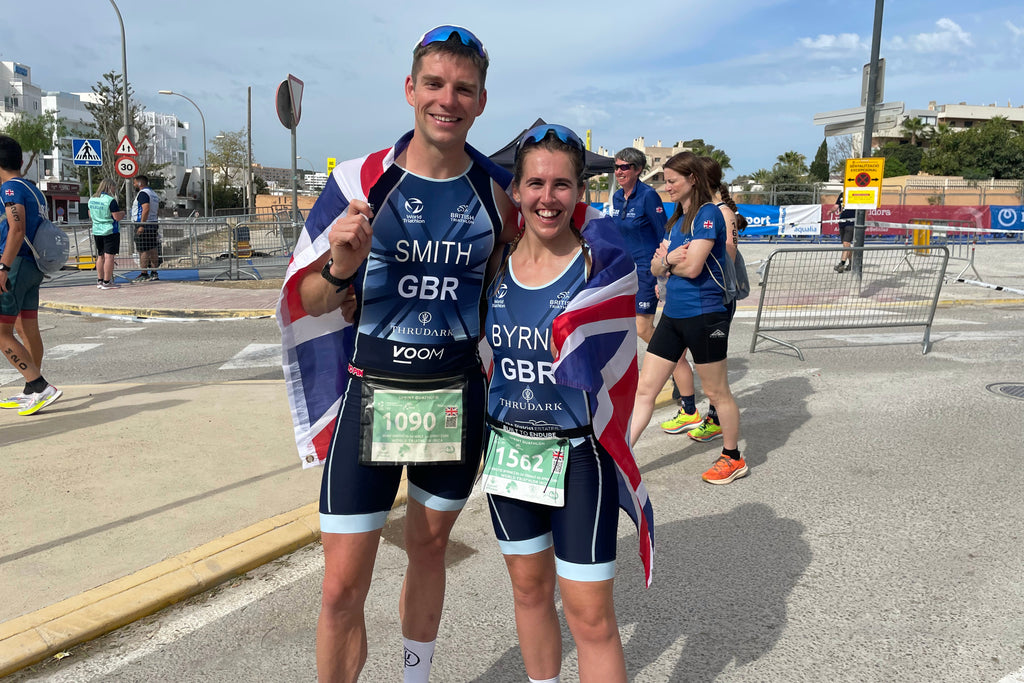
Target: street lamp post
{"x": 124, "y": 95}
{"x": 206, "y": 203}
{"x": 311, "y": 167}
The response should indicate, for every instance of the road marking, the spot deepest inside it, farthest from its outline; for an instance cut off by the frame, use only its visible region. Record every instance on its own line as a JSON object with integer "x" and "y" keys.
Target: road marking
{"x": 910, "y": 337}
{"x": 255, "y": 356}
{"x": 1015, "y": 677}
{"x": 65, "y": 351}
{"x": 191, "y": 619}
{"x": 114, "y": 332}
{"x": 8, "y": 376}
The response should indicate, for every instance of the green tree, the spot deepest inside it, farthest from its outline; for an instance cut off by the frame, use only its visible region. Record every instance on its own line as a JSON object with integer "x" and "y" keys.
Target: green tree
{"x": 915, "y": 129}
{"x": 228, "y": 156}
{"x": 819, "y": 167}
{"x": 900, "y": 157}
{"x": 792, "y": 161}
{"x": 992, "y": 149}
{"x": 702, "y": 149}
{"x": 107, "y": 111}
{"x": 35, "y": 134}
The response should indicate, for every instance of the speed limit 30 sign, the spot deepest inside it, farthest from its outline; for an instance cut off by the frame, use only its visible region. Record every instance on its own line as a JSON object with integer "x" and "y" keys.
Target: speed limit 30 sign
{"x": 126, "y": 167}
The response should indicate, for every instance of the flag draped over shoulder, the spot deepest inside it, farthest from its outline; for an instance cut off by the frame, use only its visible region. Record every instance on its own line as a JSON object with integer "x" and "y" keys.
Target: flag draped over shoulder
{"x": 314, "y": 349}
{"x": 595, "y": 351}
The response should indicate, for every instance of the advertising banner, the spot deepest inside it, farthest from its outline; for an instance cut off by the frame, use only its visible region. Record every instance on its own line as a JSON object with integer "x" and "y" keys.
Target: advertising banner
{"x": 1007, "y": 218}
{"x": 762, "y": 219}
{"x": 800, "y": 219}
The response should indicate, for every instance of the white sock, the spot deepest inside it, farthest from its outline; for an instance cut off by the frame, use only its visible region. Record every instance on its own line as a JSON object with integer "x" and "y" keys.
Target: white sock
{"x": 418, "y": 658}
{"x": 556, "y": 679}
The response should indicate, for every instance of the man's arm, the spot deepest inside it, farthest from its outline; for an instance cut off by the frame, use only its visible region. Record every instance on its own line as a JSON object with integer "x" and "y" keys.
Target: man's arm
{"x": 143, "y": 209}
{"x": 15, "y": 237}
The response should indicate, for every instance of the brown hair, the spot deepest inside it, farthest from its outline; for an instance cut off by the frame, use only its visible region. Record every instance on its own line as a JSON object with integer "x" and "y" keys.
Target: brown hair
{"x": 452, "y": 46}
{"x": 688, "y": 163}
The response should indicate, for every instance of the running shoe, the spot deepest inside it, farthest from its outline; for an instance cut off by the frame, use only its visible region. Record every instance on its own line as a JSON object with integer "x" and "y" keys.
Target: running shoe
{"x": 141, "y": 277}
{"x": 109, "y": 285}
{"x": 840, "y": 267}
{"x": 13, "y": 402}
{"x": 154, "y": 276}
{"x": 99, "y": 284}
{"x": 725, "y": 470}
{"x": 35, "y": 402}
{"x": 707, "y": 431}
{"x": 682, "y": 422}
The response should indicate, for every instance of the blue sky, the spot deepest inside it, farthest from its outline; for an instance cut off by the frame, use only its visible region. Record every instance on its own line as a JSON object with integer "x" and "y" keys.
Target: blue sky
{"x": 745, "y": 75}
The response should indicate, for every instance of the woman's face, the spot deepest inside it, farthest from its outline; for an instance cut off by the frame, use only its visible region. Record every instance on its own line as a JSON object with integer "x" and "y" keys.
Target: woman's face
{"x": 678, "y": 186}
{"x": 548, "y": 192}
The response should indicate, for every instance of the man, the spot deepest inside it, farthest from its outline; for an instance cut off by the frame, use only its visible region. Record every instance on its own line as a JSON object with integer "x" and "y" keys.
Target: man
{"x": 845, "y": 217}
{"x": 397, "y": 242}
{"x": 24, "y": 207}
{"x": 638, "y": 210}
{"x": 147, "y": 238}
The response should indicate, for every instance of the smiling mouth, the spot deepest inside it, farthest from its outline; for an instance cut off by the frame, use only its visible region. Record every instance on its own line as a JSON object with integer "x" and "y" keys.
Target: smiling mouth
{"x": 441, "y": 118}
{"x": 548, "y": 213}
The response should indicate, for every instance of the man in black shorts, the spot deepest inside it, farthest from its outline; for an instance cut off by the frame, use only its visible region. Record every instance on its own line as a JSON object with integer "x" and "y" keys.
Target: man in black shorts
{"x": 846, "y": 217}
{"x": 147, "y": 235}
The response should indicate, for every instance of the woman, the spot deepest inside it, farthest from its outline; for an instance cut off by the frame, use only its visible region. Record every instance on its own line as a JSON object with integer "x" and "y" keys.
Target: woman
{"x": 104, "y": 214}
{"x": 559, "y": 514}
{"x": 688, "y": 419}
{"x": 694, "y": 316}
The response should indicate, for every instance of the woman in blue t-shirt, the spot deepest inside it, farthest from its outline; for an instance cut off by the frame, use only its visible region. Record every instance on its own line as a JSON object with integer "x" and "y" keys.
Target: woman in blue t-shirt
{"x": 695, "y": 316}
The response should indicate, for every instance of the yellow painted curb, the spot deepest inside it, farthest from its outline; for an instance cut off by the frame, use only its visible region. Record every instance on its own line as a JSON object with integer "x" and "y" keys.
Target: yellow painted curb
{"x": 33, "y": 637}
{"x": 157, "y": 312}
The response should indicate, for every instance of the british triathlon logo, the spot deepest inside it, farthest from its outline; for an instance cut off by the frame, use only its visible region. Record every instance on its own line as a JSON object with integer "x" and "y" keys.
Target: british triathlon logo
{"x": 561, "y": 301}
{"x": 462, "y": 215}
{"x": 414, "y": 210}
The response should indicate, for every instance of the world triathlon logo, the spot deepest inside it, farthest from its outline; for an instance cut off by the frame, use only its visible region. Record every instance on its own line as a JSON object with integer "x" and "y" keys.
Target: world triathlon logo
{"x": 1008, "y": 217}
{"x": 499, "y": 296}
{"x": 414, "y": 206}
{"x": 424, "y": 318}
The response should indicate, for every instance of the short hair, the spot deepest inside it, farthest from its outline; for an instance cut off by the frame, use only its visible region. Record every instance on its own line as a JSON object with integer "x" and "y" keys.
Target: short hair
{"x": 633, "y": 156}
{"x": 10, "y": 154}
{"x": 143, "y": 178}
{"x": 452, "y": 46}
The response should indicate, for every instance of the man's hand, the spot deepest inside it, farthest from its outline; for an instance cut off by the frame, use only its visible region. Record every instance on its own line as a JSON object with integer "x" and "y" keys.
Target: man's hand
{"x": 3, "y": 280}
{"x": 350, "y": 238}
{"x": 348, "y": 305}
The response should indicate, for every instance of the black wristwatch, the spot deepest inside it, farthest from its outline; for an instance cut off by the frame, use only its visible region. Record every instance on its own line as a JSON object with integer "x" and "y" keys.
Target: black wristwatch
{"x": 4, "y": 267}
{"x": 337, "y": 282}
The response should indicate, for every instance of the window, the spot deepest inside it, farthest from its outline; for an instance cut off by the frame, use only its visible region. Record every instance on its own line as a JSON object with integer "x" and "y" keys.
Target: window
{"x": 968, "y": 124}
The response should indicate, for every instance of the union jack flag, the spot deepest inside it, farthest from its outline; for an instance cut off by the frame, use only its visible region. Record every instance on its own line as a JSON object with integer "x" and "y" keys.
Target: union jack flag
{"x": 595, "y": 351}
{"x": 315, "y": 349}
{"x": 9, "y": 192}
{"x": 708, "y": 224}
{"x": 451, "y": 412}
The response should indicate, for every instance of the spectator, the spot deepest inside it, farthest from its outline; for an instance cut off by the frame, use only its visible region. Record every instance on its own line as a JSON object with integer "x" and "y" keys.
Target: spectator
{"x": 105, "y": 214}
{"x": 846, "y": 221}
{"x": 147, "y": 233}
{"x": 640, "y": 215}
{"x": 24, "y": 207}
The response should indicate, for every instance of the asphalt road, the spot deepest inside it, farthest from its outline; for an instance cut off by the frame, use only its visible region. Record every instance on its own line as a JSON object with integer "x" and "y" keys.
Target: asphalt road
{"x": 877, "y": 538}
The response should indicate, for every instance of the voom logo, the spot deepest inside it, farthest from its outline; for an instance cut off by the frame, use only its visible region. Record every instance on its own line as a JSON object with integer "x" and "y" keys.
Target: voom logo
{"x": 414, "y": 206}
{"x": 1008, "y": 217}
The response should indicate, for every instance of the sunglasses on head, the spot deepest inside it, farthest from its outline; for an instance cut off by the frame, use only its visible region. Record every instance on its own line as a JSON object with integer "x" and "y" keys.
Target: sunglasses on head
{"x": 540, "y": 133}
{"x": 623, "y": 167}
{"x": 442, "y": 33}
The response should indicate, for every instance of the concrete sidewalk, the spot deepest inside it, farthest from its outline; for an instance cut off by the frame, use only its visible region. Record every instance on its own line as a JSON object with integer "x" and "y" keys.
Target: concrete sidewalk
{"x": 134, "y": 497}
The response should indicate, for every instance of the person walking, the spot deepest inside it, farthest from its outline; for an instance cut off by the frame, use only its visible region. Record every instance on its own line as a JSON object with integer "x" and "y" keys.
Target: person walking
{"x": 24, "y": 208}
{"x": 397, "y": 242}
{"x": 105, "y": 214}
{"x": 560, "y": 518}
{"x": 695, "y": 316}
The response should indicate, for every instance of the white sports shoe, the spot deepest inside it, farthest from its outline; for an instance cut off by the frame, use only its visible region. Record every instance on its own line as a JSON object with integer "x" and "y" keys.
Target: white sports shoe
{"x": 35, "y": 402}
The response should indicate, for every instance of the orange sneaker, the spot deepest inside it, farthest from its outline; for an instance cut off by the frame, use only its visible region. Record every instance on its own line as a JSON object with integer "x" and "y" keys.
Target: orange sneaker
{"x": 725, "y": 470}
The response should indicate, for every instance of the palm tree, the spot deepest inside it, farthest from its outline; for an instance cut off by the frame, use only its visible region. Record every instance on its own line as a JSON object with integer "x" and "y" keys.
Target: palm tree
{"x": 915, "y": 128}
{"x": 794, "y": 160}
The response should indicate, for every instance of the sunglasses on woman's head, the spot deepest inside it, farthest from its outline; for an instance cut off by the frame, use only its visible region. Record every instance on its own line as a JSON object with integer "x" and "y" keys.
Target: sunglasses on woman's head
{"x": 539, "y": 133}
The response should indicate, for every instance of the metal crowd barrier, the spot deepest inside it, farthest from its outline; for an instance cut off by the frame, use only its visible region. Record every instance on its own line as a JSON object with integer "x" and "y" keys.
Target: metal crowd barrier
{"x": 239, "y": 243}
{"x": 933, "y": 233}
{"x": 801, "y": 290}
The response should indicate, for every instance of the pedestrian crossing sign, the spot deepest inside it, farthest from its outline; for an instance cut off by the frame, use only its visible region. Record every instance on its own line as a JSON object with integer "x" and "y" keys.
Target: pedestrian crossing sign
{"x": 87, "y": 152}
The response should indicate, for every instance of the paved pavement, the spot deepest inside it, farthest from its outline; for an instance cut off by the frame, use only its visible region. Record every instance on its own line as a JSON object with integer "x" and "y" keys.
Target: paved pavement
{"x": 65, "y": 582}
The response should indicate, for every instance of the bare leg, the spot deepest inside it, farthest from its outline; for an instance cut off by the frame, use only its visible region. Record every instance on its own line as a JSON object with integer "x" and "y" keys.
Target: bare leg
{"x": 683, "y": 376}
{"x": 16, "y": 354}
{"x": 533, "y": 590}
{"x": 28, "y": 332}
{"x": 645, "y": 327}
{"x": 341, "y": 630}
{"x": 714, "y": 380}
{"x": 590, "y": 612}
{"x": 653, "y": 375}
{"x": 426, "y": 539}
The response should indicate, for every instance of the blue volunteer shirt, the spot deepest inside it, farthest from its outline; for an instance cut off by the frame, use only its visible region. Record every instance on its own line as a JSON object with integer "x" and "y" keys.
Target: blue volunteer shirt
{"x": 641, "y": 221}
{"x": 690, "y": 297}
{"x": 24, "y": 193}
{"x": 523, "y": 392}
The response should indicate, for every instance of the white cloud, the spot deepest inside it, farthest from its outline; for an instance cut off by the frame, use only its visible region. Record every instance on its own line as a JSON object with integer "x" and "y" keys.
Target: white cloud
{"x": 1015, "y": 30}
{"x": 949, "y": 38}
{"x": 844, "y": 41}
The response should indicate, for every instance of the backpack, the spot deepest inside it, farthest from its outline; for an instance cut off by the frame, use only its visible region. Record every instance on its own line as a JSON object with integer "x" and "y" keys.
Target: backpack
{"x": 52, "y": 246}
{"x": 737, "y": 283}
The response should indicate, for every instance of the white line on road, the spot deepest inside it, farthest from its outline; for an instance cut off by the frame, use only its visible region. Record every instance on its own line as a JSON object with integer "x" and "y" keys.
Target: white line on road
{"x": 255, "y": 356}
{"x": 98, "y": 667}
{"x": 1015, "y": 677}
{"x": 910, "y": 337}
{"x": 65, "y": 351}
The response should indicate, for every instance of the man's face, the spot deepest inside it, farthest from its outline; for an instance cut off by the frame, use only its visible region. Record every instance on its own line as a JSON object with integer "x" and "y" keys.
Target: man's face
{"x": 135, "y": 184}
{"x": 446, "y": 97}
{"x": 626, "y": 174}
